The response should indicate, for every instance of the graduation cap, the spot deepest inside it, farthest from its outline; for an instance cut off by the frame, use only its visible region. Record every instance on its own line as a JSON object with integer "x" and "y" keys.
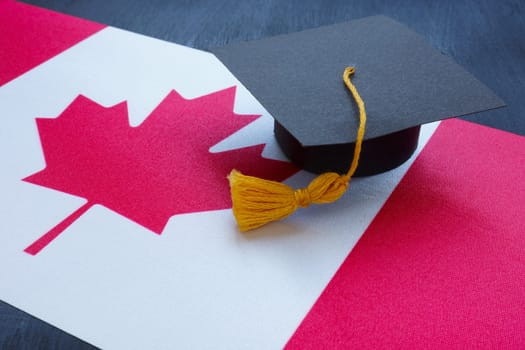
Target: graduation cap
{"x": 402, "y": 79}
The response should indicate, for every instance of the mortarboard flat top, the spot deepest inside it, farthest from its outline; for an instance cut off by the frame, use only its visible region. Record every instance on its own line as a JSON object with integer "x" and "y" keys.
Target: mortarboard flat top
{"x": 402, "y": 79}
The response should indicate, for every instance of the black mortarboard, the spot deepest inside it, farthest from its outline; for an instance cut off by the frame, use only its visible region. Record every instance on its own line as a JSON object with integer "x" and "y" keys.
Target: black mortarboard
{"x": 402, "y": 79}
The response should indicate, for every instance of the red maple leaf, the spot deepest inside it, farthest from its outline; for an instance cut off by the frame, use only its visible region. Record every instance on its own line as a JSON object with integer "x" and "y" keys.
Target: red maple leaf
{"x": 151, "y": 172}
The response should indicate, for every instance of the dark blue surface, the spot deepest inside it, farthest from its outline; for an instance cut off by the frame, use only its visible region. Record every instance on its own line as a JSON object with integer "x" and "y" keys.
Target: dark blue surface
{"x": 486, "y": 37}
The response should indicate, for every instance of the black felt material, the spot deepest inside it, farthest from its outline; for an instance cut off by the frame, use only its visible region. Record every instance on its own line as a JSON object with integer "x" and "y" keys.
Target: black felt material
{"x": 378, "y": 154}
{"x": 402, "y": 79}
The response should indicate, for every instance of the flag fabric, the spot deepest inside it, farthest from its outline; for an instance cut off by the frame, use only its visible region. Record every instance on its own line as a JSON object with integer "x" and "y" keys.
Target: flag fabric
{"x": 428, "y": 255}
{"x": 30, "y": 36}
{"x": 441, "y": 265}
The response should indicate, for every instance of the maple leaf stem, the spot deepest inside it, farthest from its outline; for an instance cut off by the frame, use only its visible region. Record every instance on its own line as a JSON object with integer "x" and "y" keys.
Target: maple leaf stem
{"x": 49, "y": 236}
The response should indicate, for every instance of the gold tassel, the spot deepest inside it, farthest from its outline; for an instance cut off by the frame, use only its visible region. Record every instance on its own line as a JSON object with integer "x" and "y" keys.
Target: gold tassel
{"x": 257, "y": 202}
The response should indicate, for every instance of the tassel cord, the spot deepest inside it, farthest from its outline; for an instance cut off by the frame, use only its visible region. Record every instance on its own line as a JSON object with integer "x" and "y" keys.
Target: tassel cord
{"x": 258, "y": 201}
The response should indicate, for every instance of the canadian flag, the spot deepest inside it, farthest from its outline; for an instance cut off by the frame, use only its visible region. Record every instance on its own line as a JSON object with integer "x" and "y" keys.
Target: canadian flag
{"x": 115, "y": 243}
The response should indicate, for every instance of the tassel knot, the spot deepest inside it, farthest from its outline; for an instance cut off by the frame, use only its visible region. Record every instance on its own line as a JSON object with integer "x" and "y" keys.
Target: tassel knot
{"x": 256, "y": 201}
{"x": 302, "y": 197}
{"x": 327, "y": 188}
